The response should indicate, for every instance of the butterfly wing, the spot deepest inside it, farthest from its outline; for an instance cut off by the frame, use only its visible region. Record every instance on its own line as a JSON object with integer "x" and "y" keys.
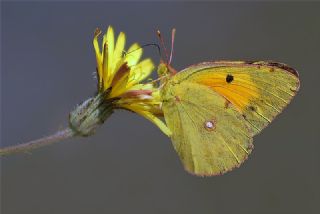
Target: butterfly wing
{"x": 258, "y": 90}
{"x": 239, "y": 98}
{"x": 209, "y": 138}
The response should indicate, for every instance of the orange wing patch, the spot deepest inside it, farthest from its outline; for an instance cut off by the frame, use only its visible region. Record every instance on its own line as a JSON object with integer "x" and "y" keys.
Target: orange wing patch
{"x": 238, "y": 89}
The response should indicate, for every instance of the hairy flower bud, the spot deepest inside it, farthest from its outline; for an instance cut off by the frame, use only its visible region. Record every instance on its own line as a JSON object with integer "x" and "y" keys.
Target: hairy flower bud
{"x": 90, "y": 114}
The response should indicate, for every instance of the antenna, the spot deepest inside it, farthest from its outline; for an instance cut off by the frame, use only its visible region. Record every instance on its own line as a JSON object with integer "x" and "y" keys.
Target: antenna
{"x": 162, "y": 44}
{"x": 173, "y": 33}
{"x": 145, "y": 45}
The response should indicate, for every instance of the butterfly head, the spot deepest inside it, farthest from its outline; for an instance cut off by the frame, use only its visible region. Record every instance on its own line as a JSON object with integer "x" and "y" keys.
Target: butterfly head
{"x": 165, "y": 70}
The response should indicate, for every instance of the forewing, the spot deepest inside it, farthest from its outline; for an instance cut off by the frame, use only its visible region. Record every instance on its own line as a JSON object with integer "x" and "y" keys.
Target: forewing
{"x": 258, "y": 90}
{"x": 188, "y": 109}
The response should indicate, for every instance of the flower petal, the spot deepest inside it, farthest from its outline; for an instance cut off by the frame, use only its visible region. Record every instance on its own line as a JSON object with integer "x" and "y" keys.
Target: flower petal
{"x": 105, "y": 62}
{"x": 109, "y": 39}
{"x": 145, "y": 94}
{"x": 140, "y": 71}
{"x": 98, "y": 54}
{"x": 117, "y": 55}
{"x": 133, "y": 54}
{"x": 119, "y": 84}
{"x": 147, "y": 86}
{"x": 161, "y": 125}
{"x": 122, "y": 71}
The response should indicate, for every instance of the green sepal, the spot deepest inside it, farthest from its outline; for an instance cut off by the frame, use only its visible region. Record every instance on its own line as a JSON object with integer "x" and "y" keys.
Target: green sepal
{"x": 90, "y": 114}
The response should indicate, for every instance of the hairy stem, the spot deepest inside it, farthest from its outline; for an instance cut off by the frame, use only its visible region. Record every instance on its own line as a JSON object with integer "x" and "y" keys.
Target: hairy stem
{"x": 25, "y": 147}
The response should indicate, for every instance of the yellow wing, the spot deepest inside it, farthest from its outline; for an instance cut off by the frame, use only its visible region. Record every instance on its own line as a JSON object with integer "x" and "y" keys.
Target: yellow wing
{"x": 259, "y": 90}
{"x": 209, "y": 138}
{"x": 236, "y": 99}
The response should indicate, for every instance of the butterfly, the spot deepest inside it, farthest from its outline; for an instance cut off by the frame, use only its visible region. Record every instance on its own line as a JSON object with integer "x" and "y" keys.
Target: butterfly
{"x": 214, "y": 109}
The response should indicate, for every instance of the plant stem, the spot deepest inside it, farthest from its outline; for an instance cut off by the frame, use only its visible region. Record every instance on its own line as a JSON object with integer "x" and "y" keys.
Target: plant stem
{"x": 25, "y": 147}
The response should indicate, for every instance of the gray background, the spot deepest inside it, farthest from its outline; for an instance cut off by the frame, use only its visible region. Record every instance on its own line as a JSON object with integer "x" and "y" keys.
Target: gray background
{"x": 129, "y": 166}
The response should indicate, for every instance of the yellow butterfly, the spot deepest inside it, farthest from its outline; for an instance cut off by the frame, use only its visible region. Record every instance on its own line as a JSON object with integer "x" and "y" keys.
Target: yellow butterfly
{"x": 214, "y": 109}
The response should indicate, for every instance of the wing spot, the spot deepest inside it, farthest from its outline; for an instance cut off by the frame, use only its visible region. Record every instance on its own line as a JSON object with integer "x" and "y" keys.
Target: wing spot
{"x": 229, "y": 78}
{"x": 210, "y": 125}
{"x": 177, "y": 99}
{"x": 227, "y": 104}
{"x": 252, "y": 108}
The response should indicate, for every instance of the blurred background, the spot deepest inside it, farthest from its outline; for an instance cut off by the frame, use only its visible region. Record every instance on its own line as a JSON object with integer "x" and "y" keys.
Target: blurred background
{"x": 129, "y": 166}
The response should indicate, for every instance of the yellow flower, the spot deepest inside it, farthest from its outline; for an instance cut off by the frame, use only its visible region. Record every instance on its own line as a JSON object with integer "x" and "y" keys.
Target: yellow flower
{"x": 121, "y": 72}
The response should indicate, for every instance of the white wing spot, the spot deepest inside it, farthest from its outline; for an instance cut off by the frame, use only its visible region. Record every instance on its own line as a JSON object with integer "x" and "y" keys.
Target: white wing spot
{"x": 210, "y": 125}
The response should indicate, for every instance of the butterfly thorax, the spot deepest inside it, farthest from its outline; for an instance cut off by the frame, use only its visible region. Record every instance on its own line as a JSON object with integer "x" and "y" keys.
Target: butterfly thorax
{"x": 167, "y": 76}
